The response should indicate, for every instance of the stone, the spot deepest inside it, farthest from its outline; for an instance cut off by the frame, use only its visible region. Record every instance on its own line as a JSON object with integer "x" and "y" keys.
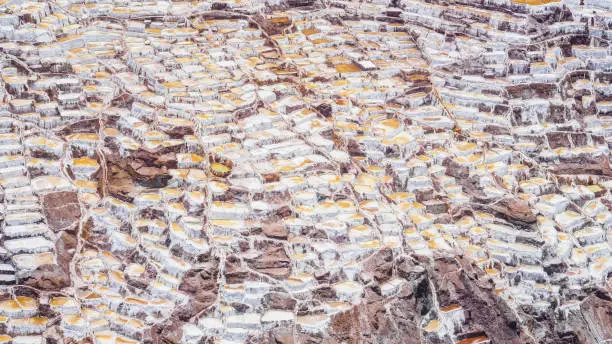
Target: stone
{"x": 273, "y": 261}
{"x": 277, "y": 300}
{"x": 380, "y": 265}
{"x": 275, "y": 230}
{"x": 201, "y": 285}
{"x": 513, "y": 209}
{"x": 62, "y": 210}
{"x": 457, "y": 282}
{"x": 49, "y": 277}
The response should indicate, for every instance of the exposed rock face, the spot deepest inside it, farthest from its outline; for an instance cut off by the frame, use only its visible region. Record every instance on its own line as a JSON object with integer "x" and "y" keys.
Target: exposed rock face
{"x": 585, "y": 166}
{"x": 596, "y": 310}
{"x": 272, "y": 261}
{"x": 275, "y": 230}
{"x": 201, "y": 284}
{"x": 282, "y": 336}
{"x": 48, "y": 277}
{"x": 380, "y": 265}
{"x": 514, "y": 209}
{"x": 169, "y": 332}
{"x": 62, "y": 210}
{"x": 276, "y": 300}
{"x": 388, "y": 318}
{"x": 459, "y": 283}
{"x": 145, "y": 169}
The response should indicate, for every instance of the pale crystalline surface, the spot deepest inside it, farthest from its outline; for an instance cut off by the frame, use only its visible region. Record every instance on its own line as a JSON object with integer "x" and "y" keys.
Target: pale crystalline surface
{"x": 305, "y": 171}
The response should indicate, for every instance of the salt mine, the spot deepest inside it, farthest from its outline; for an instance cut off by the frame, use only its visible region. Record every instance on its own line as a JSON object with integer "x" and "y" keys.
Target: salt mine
{"x": 305, "y": 171}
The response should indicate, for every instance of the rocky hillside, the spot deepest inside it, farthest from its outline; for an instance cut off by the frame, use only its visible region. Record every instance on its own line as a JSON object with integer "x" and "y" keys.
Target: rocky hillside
{"x": 305, "y": 171}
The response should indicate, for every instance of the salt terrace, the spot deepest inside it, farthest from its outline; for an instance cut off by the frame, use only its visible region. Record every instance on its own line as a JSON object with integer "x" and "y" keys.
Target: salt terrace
{"x": 302, "y": 171}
